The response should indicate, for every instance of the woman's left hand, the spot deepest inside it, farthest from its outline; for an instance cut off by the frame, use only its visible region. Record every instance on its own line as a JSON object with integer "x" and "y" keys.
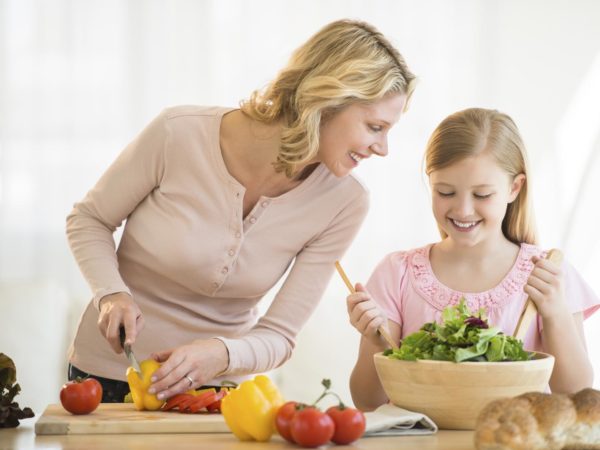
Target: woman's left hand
{"x": 188, "y": 367}
{"x": 545, "y": 288}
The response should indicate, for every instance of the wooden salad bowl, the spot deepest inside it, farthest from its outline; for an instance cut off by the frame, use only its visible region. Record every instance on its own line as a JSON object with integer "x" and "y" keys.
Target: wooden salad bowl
{"x": 452, "y": 394}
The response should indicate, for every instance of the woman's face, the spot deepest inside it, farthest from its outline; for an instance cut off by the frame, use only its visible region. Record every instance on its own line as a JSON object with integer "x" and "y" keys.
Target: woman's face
{"x": 470, "y": 198}
{"x": 358, "y": 131}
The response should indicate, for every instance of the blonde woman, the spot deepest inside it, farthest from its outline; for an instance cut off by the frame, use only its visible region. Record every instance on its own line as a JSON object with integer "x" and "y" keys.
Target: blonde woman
{"x": 219, "y": 202}
{"x": 477, "y": 168}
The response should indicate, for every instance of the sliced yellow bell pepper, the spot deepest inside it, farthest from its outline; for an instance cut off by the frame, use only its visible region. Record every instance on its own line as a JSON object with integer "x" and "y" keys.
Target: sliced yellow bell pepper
{"x": 249, "y": 410}
{"x": 197, "y": 392}
{"x": 139, "y": 386}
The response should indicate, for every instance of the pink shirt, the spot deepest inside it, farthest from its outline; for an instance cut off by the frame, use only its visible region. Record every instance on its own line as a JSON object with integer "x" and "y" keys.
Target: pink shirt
{"x": 193, "y": 264}
{"x": 407, "y": 290}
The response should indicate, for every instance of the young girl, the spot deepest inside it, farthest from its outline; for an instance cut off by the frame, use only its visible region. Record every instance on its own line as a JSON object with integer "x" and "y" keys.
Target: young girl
{"x": 477, "y": 168}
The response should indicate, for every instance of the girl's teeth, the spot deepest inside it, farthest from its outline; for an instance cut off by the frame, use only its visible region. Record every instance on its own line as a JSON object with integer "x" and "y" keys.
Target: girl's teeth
{"x": 463, "y": 224}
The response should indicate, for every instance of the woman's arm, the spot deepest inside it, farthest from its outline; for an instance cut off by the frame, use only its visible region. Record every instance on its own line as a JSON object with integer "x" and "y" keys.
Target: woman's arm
{"x": 271, "y": 341}
{"x": 92, "y": 222}
{"x": 365, "y": 387}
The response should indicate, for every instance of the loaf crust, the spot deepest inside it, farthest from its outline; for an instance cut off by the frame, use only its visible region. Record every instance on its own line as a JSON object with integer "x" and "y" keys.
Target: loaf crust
{"x": 536, "y": 421}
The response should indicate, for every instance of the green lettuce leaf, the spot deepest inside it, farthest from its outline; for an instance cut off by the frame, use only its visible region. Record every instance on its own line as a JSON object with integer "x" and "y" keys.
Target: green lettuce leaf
{"x": 462, "y": 336}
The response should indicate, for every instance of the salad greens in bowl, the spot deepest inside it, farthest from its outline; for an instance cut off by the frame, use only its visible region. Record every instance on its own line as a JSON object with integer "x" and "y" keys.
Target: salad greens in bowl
{"x": 450, "y": 371}
{"x": 462, "y": 336}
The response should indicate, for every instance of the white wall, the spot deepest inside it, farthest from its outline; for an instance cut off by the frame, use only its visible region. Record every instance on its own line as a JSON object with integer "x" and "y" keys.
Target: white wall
{"x": 79, "y": 79}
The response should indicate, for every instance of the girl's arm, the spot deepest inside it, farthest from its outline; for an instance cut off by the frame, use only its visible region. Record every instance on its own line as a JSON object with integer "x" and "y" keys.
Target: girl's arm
{"x": 562, "y": 333}
{"x": 564, "y": 338}
{"x": 366, "y": 389}
{"x": 366, "y": 314}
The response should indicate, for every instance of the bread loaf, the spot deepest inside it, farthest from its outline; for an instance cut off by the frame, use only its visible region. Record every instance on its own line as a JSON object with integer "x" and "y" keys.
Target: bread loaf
{"x": 535, "y": 421}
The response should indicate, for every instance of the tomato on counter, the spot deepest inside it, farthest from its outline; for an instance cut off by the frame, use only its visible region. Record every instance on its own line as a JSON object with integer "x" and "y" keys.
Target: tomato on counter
{"x": 350, "y": 424}
{"x": 283, "y": 420}
{"x": 81, "y": 395}
{"x": 311, "y": 427}
{"x": 308, "y": 426}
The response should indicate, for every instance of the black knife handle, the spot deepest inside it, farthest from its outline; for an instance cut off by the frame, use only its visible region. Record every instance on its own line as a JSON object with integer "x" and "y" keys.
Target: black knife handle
{"x": 122, "y": 336}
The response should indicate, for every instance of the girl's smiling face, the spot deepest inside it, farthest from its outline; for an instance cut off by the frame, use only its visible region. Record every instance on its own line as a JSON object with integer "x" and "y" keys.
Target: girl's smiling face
{"x": 470, "y": 198}
{"x": 358, "y": 131}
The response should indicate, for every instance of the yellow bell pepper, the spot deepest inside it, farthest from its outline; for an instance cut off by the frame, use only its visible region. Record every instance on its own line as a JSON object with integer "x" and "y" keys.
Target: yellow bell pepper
{"x": 139, "y": 386}
{"x": 249, "y": 410}
{"x": 197, "y": 392}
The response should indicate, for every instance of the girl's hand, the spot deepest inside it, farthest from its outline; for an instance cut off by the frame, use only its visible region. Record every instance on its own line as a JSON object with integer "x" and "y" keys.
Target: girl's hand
{"x": 545, "y": 288}
{"x": 365, "y": 315}
{"x": 117, "y": 309}
{"x": 188, "y": 367}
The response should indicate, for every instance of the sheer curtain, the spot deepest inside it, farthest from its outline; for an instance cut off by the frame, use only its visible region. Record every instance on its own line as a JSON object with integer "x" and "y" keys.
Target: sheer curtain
{"x": 79, "y": 79}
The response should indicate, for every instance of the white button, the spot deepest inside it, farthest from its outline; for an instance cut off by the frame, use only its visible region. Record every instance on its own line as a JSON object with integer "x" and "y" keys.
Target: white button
{"x": 231, "y": 252}
{"x": 237, "y": 194}
{"x": 225, "y": 270}
{"x": 238, "y": 234}
{"x": 252, "y": 219}
{"x": 264, "y": 204}
{"x": 215, "y": 284}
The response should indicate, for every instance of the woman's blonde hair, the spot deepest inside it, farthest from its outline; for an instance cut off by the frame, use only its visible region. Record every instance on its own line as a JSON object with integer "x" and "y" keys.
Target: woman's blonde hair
{"x": 472, "y": 132}
{"x": 345, "y": 62}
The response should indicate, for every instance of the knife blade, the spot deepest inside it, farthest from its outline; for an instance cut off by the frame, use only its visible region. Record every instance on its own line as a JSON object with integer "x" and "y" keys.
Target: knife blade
{"x": 128, "y": 352}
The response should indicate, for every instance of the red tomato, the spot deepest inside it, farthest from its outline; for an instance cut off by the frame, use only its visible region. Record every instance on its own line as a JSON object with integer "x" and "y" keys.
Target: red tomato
{"x": 283, "y": 419}
{"x": 81, "y": 396}
{"x": 311, "y": 427}
{"x": 350, "y": 424}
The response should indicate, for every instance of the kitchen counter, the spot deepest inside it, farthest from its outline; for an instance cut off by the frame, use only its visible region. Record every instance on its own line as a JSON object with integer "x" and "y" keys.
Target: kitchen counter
{"x": 23, "y": 437}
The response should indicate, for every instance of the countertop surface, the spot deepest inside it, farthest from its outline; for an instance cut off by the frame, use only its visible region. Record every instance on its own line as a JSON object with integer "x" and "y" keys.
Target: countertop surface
{"x": 24, "y": 437}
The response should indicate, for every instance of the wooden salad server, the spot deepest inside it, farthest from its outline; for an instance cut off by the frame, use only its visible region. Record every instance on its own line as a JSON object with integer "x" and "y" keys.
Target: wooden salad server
{"x": 529, "y": 310}
{"x": 381, "y": 330}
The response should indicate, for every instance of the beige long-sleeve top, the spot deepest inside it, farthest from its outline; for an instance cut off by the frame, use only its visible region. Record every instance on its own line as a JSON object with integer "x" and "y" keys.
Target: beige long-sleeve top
{"x": 192, "y": 263}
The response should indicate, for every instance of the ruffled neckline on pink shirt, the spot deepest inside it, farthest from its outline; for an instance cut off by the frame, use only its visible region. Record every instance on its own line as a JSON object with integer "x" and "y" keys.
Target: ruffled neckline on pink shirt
{"x": 440, "y": 296}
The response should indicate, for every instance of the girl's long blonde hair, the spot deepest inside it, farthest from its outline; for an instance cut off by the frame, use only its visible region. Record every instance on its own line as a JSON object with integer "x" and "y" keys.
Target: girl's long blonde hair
{"x": 474, "y": 131}
{"x": 345, "y": 62}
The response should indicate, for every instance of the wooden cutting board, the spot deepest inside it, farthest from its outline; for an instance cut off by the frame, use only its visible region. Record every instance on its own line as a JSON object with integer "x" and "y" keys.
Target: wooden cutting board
{"x": 115, "y": 418}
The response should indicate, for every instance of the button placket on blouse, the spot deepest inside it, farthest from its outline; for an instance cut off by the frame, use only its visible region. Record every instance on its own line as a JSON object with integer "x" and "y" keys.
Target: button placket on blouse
{"x": 256, "y": 212}
{"x": 232, "y": 251}
{"x": 240, "y": 205}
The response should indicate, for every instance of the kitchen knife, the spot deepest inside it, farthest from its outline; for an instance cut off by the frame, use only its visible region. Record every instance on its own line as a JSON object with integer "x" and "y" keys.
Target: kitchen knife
{"x": 128, "y": 352}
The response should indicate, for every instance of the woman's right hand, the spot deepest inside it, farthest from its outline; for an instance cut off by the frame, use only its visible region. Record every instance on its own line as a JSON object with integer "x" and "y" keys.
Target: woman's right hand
{"x": 116, "y": 310}
{"x": 365, "y": 315}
